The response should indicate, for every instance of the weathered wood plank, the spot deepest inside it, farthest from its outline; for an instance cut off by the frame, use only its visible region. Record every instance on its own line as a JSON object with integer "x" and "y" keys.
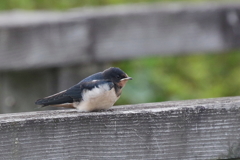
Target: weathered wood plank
{"x": 193, "y": 129}
{"x": 38, "y": 40}
{"x": 158, "y": 29}
{"x": 53, "y": 39}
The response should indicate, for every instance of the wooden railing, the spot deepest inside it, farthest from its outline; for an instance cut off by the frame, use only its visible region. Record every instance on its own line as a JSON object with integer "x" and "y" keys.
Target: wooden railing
{"x": 106, "y": 34}
{"x": 193, "y": 129}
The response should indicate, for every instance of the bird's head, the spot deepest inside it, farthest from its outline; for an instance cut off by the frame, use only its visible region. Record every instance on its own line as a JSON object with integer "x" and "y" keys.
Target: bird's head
{"x": 117, "y": 76}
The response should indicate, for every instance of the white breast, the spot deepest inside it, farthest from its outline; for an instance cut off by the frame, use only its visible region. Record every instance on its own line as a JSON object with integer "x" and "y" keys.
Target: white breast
{"x": 98, "y": 98}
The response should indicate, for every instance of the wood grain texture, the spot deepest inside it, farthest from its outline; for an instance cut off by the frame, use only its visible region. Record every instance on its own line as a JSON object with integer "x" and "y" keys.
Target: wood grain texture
{"x": 55, "y": 39}
{"x": 193, "y": 129}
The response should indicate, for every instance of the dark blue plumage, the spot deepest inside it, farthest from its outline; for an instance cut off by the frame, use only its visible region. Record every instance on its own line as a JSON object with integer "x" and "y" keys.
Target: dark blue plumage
{"x": 86, "y": 94}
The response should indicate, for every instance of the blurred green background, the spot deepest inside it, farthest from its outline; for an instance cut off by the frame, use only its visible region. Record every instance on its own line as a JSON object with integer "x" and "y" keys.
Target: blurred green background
{"x": 66, "y": 4}
{"x": 161, "y": 78}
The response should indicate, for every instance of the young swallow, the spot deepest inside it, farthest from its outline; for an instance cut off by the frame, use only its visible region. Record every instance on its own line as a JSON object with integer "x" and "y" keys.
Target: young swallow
{"x": 96, "y": 92}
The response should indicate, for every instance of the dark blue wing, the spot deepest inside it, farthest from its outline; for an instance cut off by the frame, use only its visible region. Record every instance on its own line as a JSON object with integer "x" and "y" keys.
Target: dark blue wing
{"x": 58, "y": 98}
{"x": 96, "y": 83}
{"x": 96, "y": 76}
{"x": 73, "y": 94}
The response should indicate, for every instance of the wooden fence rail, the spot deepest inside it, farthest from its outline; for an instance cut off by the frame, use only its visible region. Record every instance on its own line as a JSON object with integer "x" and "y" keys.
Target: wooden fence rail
{"x": 55, "y": 39}
{"x": 193, "y": 129}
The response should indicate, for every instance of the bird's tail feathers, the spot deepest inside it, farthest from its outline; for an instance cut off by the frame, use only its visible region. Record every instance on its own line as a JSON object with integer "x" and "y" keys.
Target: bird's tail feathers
{"x": 57, "y": 98}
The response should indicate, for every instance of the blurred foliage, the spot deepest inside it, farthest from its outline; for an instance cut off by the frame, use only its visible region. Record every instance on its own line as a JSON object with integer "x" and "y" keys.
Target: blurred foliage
{"x": 182, "y": 77}
{"x": 161, "y": 78}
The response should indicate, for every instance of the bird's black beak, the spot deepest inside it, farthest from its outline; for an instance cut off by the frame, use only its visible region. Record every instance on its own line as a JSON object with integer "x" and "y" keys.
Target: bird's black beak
{"x": 126, "y": 79}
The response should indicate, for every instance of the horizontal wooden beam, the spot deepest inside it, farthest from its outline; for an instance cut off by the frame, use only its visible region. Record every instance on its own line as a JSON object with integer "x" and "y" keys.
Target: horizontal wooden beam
{"x": 55, "y": 39}
{"x": 193, "y": 129}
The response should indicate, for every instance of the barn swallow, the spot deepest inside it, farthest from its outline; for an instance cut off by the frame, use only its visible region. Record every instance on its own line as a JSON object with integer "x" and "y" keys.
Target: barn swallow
{"x": 96, "y": 92}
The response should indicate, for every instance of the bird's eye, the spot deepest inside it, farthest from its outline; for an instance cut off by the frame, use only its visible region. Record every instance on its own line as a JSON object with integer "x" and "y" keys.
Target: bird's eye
{"x": 118, "y": 76}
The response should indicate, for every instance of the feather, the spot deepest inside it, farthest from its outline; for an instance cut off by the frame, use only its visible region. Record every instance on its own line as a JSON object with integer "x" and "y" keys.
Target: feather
{"x": 57, "y": 98}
